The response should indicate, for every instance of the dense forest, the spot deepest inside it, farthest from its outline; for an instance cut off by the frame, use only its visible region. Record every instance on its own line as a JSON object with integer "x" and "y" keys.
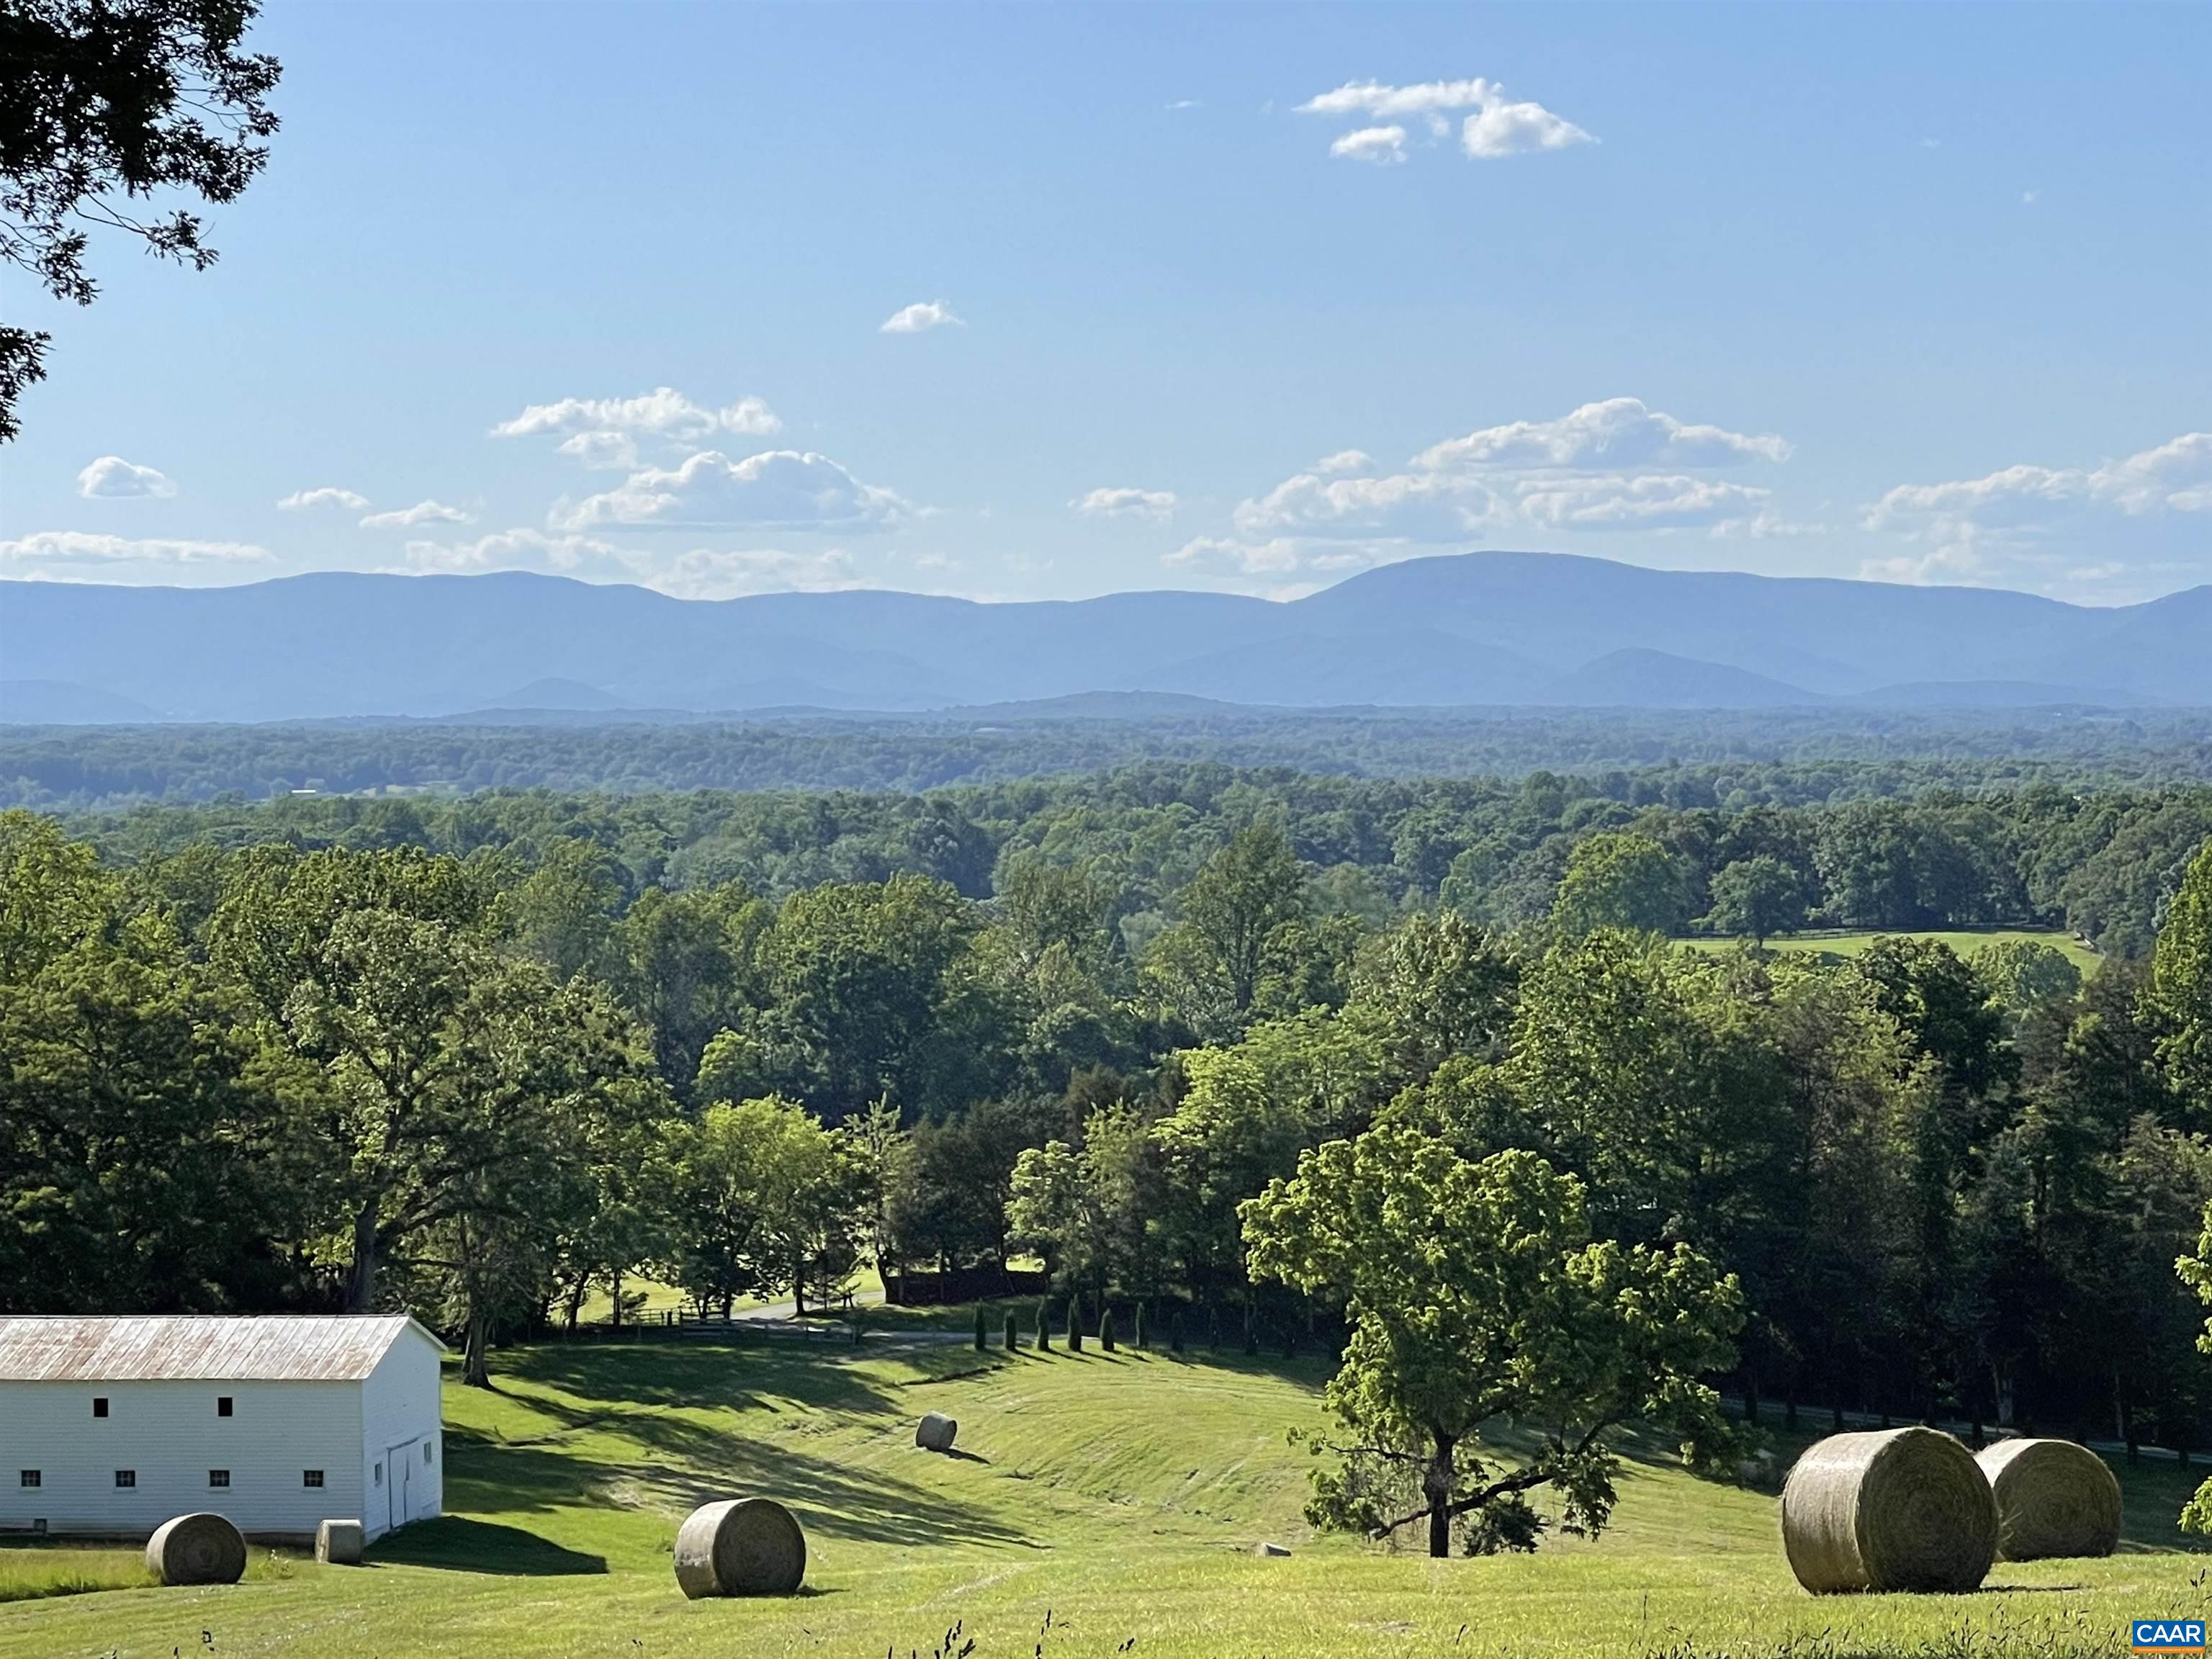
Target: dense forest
{"x": 1872, "y": 752}
{"x": 1176, "y": 1031}
{"x": 1749, "y": 849}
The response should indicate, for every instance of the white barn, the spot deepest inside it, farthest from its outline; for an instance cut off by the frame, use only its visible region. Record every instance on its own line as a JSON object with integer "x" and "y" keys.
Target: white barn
{"x": 109, "y": 1426}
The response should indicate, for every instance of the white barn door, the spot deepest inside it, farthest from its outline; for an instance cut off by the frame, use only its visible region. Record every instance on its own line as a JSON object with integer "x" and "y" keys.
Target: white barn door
{"x": 399, "y": 1463}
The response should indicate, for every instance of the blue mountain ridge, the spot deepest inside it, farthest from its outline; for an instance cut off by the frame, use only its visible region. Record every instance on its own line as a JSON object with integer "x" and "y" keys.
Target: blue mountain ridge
{"x": 1488, "y": 628}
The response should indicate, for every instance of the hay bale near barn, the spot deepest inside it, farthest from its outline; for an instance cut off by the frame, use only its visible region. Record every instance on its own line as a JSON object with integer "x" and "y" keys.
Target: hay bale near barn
{"x": 197, "y": 1549}
{"x": 935, "y": 1433}
{"x": 338, "y": 1543}
{"x": 740, "y": 1546}
{"x": 1895, "y": 1509}
{"x": 2053, "y": 1498}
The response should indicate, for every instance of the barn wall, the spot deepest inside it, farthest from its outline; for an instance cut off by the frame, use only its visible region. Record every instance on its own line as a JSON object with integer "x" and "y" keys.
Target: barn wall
{"x": 401, "y": 1412}
{"x": 169, "y": 1434}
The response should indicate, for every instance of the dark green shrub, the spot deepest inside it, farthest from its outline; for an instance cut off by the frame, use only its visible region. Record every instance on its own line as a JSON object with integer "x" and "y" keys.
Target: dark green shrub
{"x": 979, "y": 1341}
{"x": 1075, "y": 1324}
{"x": 1010, "y": 1337}
{"x": 1141, "y": 1333}
{"x": 1106, "y": 1329}
{"x": 1043, "y": 1327}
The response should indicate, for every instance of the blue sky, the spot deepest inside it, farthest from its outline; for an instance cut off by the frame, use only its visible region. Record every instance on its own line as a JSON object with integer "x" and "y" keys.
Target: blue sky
{"x": 1232, "y": 297}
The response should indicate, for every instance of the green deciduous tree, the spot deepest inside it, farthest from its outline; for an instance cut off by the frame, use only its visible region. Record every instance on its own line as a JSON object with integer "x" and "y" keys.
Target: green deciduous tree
{"x": 767, "y": 1199}
{"x": 2180, "y": 994}
{"x": 871, "y": 991}
{"x": 1620, "y": 880}
{"x": 1241, "y": 919}
{"x": 1081, "y": 1208}
{"x": 2025, "y": 974}
{"x": 1755, "y": 897}
{"x": 146, "y": 1161}
{"x": 1476, "y": 1295}
{"x": 110, "y": 105}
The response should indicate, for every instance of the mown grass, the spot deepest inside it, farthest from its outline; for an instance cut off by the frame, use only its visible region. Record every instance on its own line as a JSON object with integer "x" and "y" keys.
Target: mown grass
{"x": 1964, "y": 942}
{"x": 1098, "y": 1504}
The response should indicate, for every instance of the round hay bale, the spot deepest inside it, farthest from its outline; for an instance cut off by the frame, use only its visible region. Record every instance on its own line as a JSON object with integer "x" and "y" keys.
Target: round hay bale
{"x": 935, "y": 1433}
{"x": 1896, "y": 1510}
{"x": 197, "y": 1549}
{"x": 740, "y": 1546}
{"x": 2053, "y": 1498}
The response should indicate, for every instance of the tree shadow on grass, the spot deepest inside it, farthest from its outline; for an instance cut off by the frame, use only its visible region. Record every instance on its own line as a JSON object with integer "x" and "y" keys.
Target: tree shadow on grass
{"x": 686, "y": 1463}
{"x": 739, "y": 1376}
{"x": 459, "y": 1544}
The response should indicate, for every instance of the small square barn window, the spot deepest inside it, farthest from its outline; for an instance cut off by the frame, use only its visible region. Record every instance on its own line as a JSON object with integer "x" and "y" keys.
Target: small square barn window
{"x": 100, "y": 1404}
{"x": 32, "y": 1478}
{"x": 218, "y": 1477}
{"x": 311, "y": 1477}
{"x": 223, "y": 1405}
{"x": 125, "y": 1478}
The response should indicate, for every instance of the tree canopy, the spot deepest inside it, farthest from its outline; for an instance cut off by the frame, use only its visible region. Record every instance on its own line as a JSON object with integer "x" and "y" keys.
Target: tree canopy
{"x": 111, "y": 105}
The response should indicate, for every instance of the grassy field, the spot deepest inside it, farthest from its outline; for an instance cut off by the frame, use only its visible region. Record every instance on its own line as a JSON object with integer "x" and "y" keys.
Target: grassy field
{"x": 1098, "y": 1504}
{"x": 867, "y": 1287}
{"x": 1965, "y": 943}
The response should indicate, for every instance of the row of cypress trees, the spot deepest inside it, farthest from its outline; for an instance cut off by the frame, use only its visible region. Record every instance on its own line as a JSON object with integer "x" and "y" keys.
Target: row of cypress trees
{"x": 1072, "y": 1327}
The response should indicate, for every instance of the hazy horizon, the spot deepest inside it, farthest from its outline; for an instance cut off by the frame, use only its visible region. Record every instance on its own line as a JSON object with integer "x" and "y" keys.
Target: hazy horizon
{"x": 922, "y": 590}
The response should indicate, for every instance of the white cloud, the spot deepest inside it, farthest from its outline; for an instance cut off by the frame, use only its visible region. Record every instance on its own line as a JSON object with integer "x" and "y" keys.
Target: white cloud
{"x": 606, "y": 450}
{"x": 1656, "y": 502}
{"x": 510, "y": 549}
{"x": 79, "y": 547}
{"x": 1418, "y": 506}
{"x": 407, "y": 518}
{"x": 1184, "y": 103}
{"x": 695, "y": 574}
{"x": 1383, "y": 103}
{"x": 1382, "y": 145}
{"x": 328, "y": 496}
{"x": 113, "y": 477}
{"x": 1943, "y": 565}
{"x": 720, "y": 573}
{"x": 1268, "y": 559}
{"x": 2054, "y": 525}
{"x": 1618, "y": 432}
{"x": 1126, "y": 503}
{"x": 603, "y": 433}
{"x": 1612, "y": 466}
{"x": 1501, "y": 129}
{"x": 779, "y": 489}
{"x": 920, "y": 317}
{"x": 1497, "y": 126}
{"x": 2175, "y": 476}
{"x": 1766, "y": 523}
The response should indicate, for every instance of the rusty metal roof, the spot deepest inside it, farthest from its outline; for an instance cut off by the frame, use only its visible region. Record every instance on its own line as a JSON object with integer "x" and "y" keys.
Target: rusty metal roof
{"x": 197, "y": 1347}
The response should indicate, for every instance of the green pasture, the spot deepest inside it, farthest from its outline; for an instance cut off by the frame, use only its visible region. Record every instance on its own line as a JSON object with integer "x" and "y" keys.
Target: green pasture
{"x": 1964, "y": 942}
{"x": 1097, "y": 1505}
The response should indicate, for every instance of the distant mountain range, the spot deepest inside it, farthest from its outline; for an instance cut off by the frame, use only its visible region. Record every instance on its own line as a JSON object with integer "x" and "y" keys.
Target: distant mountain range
{"x": 1478, "y": 629}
